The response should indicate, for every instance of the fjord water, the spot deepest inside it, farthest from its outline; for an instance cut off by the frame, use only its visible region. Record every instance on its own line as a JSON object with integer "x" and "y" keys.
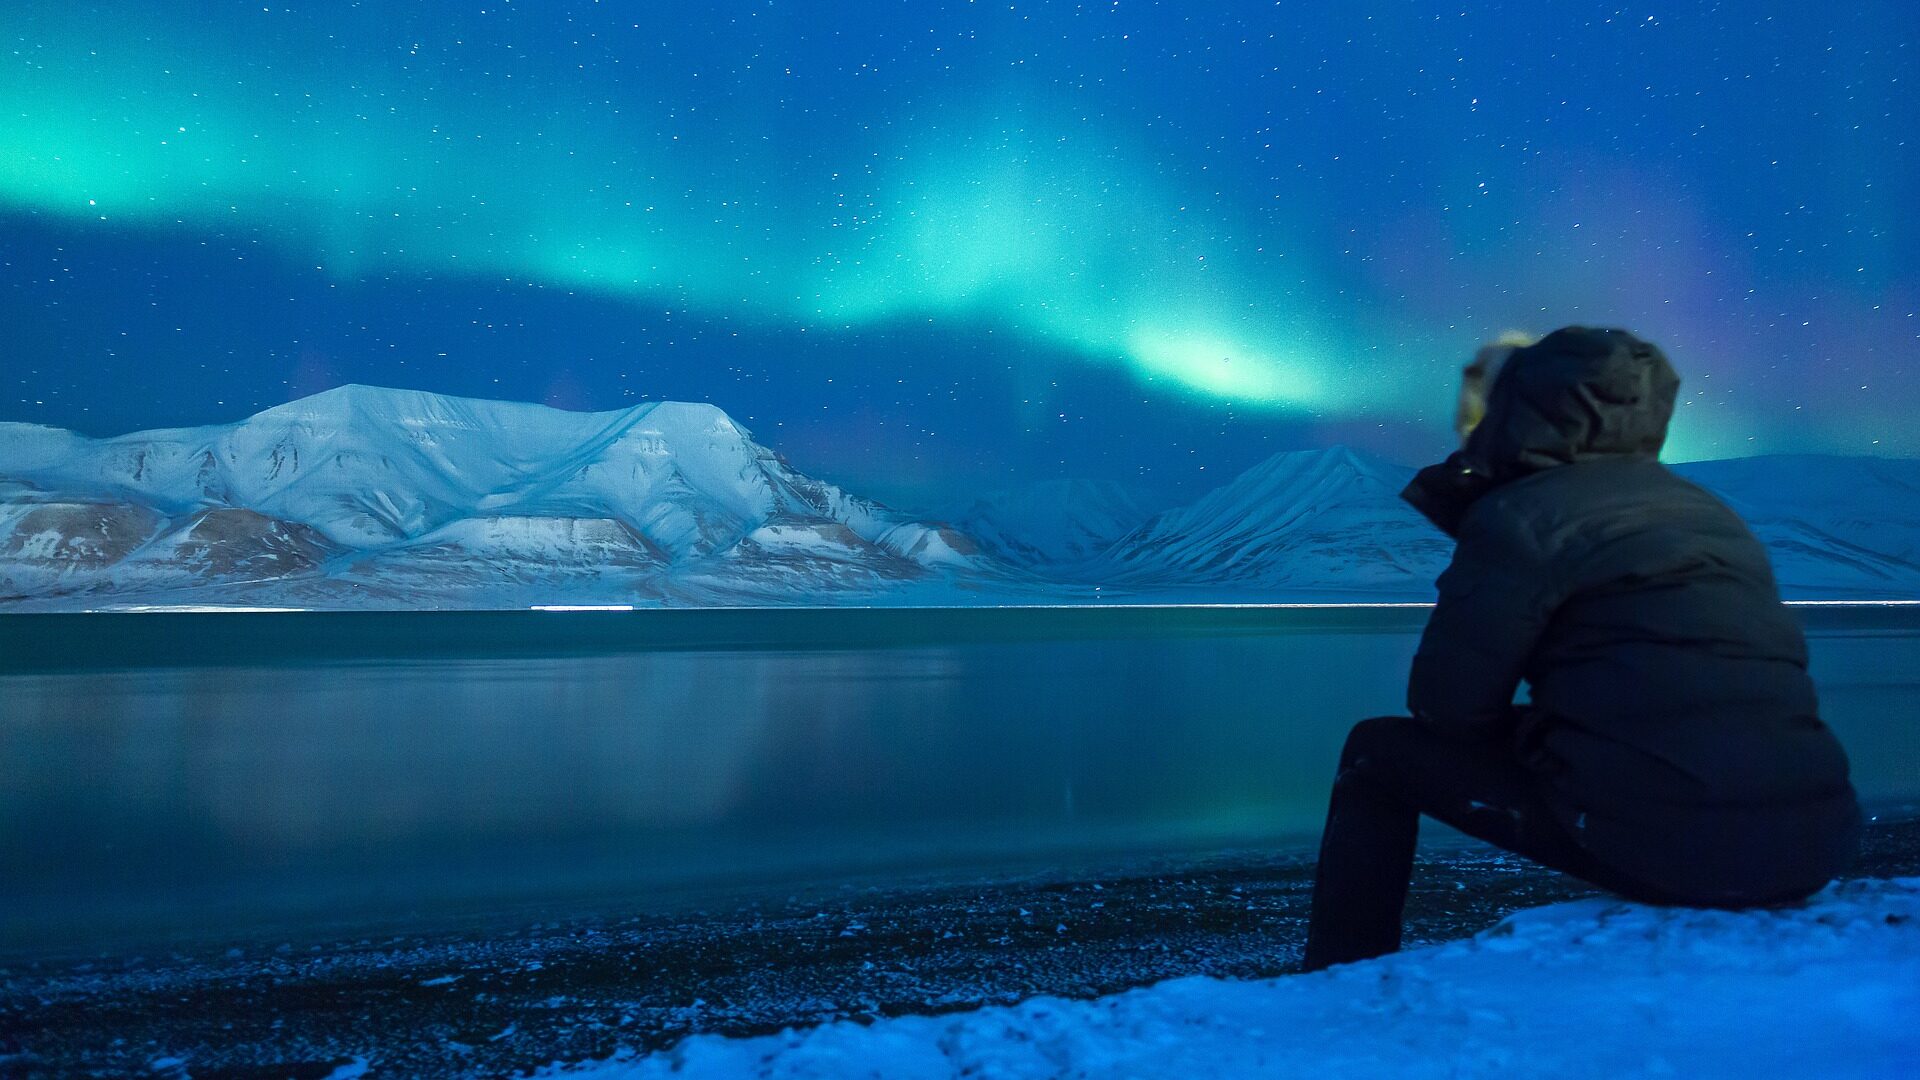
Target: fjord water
{"x": 176, "y": 778}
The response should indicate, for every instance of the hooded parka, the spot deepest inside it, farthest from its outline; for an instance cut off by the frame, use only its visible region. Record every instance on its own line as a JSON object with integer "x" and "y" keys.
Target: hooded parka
{"x": 1671, "y": 722}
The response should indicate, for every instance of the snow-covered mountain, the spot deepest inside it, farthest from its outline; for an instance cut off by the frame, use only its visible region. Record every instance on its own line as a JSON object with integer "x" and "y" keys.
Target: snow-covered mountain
{"x": 1834, "y": 525}
{"x": 1055, "y": 521}
{"x": 363, "y": 495}
{"x": 1306, "y": 523}
{"x": 1301, "y": 522}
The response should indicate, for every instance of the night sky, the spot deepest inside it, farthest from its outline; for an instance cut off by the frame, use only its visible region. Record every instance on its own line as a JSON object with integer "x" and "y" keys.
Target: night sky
{"x": 928, "y": 248}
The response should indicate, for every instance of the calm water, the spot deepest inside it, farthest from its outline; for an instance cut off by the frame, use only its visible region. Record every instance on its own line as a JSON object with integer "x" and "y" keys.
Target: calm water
{"x": 250, "y": 790}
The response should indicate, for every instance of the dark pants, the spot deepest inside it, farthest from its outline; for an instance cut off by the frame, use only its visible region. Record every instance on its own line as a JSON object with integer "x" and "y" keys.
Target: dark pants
{"x": 1394, "y": 769}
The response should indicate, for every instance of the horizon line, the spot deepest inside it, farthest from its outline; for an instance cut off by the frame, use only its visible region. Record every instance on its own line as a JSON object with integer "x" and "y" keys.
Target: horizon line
{"x": 1303, "y": 605}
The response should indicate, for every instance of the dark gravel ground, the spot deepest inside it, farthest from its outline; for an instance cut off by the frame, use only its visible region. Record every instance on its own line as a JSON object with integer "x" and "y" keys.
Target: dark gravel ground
{"x": 500, "y": 999}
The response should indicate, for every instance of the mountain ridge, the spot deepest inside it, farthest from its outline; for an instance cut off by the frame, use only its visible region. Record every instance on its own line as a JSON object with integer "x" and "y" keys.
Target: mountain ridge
{"x": 378, "y": 474}
{"x": 363, "y": 496}
{"x": 1303, "y": 519}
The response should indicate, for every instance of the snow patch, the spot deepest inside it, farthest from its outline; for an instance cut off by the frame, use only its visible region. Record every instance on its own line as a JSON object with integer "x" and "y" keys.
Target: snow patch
{"x": 1592, "y": 988}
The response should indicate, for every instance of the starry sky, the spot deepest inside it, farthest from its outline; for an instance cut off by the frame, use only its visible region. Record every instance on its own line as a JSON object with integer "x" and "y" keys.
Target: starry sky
{"x": 929, "y": 248}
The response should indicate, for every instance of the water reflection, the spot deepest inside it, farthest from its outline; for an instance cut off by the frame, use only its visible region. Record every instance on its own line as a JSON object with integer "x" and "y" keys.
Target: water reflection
{"x": 182, "y": 799}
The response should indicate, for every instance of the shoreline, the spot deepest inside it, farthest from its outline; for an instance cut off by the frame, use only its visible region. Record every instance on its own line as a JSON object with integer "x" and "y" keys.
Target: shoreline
{"x": 527, "y": 992}
{"x": 32, "y": 643}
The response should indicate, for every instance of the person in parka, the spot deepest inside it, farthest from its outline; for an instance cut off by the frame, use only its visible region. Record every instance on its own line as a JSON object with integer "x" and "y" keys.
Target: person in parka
{"x": 1671, "y": 748}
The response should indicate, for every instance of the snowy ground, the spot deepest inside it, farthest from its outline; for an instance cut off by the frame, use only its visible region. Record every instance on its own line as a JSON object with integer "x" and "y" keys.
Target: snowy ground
{"x": 517, "y": 990}
{"x": 1591, "y": 987}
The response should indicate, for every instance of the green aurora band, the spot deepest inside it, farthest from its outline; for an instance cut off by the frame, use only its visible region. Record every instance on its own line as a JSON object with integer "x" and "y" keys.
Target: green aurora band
{"x": 1084, "y": 207}
{"x": 1050, "y": 225}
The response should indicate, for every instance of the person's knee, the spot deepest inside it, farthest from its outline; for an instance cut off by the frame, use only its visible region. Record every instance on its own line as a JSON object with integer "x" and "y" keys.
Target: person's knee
{"x": 1373, "y": 736}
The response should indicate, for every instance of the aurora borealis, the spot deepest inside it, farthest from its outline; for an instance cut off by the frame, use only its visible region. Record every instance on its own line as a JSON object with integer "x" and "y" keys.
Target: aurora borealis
{"x": 927, "y": 247}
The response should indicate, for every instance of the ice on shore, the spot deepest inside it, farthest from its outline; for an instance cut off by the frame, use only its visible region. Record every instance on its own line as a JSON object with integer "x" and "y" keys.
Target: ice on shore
{"x": 1592, "y": 988}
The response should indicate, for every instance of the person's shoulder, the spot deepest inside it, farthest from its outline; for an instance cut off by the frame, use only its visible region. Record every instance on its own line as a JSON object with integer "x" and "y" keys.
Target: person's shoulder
{"x": 1683, "y": 500}
{"x": 1569, "y": 506}
{"x": 1517, "y": 520}
{"x": 1600, "y": 486}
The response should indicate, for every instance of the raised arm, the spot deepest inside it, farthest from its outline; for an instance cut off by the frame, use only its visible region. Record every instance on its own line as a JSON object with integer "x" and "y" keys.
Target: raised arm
{"x": 1495, "y": 600}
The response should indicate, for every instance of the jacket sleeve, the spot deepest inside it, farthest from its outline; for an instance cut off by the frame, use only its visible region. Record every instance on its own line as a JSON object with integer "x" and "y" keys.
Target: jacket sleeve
{"x": 1495, "y": 600}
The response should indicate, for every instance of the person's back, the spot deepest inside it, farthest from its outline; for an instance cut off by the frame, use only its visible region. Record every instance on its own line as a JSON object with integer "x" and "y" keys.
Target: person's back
{"x": 1671, "y": 748}
{"x": 1671, "y": 713}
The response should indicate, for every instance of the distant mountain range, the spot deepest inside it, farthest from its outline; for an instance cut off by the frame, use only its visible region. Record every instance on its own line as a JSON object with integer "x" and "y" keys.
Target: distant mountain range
{"x": 363, "y": 497}
{"x": 1306, "y": 522}
{"x": 1055, "y": 522}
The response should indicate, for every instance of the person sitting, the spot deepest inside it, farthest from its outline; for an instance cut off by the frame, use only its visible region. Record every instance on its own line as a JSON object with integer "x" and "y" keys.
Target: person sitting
{"x": 1671, "y": 749}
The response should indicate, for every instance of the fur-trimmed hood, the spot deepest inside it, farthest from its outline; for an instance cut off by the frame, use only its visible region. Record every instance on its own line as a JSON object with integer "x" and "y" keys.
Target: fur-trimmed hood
{"x": 1579, "y": 394}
